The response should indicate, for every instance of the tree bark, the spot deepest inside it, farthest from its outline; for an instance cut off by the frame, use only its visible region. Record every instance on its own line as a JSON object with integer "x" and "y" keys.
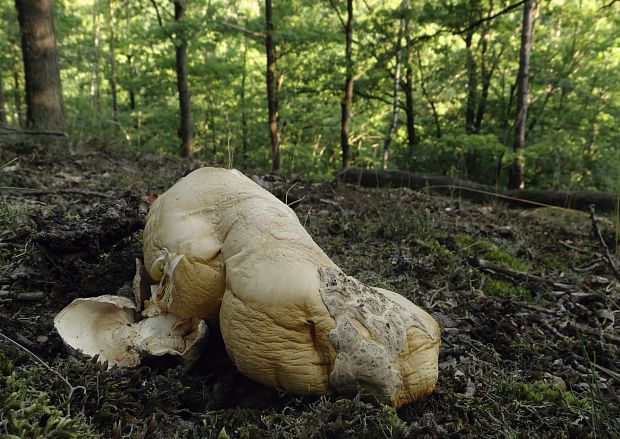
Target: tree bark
{"x": 272, "y": 97}
{"x": 472, "y": 84}
{"x": 17, "y": 98}
{"x": 95, "y": 81}
{"x": 429, "y": 99}
{"x": 186, "y": 130}
{"x": 408, "y": 89}
{"x": 244, "y": 116}
{"x": 347, "y": 100}
{"x": 516, "y": 178}
{"x": 2, "y": 105}
{"x": 394, "y": 118}
{"x": 485, "y": 72}
{"x": 43, "y": 88}
{"x": 112, "y": 49}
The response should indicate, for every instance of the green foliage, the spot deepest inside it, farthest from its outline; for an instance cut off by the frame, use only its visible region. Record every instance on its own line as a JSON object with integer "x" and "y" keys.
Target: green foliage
{"x": 573, "y": 119}
{"x": 26, "y": 412}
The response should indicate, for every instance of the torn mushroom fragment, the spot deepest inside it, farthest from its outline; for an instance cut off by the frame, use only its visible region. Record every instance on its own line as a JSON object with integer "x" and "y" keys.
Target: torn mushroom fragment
{"x": 105, "y": 326}
{"x": 224, "y": 249}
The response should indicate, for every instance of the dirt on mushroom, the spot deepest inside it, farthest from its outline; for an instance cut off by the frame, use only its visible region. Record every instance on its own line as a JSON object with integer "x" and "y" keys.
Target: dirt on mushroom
{"x": 534, "y": 355}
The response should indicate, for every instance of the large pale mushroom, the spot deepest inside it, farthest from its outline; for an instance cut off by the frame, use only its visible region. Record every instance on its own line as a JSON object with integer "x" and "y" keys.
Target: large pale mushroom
{"x": 225, "y": 250}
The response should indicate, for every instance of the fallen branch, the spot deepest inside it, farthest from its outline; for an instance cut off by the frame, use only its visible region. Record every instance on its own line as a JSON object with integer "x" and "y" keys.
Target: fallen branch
{"x": 32, "y": 132}
{"x": 597, "y": 234}
{"x": 477, "y": 192}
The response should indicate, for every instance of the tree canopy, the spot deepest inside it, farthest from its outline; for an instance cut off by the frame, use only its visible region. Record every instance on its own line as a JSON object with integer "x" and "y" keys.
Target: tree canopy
{"x": 460, "y": 59}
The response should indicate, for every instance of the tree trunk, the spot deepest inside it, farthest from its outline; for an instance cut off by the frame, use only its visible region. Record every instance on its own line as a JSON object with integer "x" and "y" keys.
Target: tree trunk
{"x": 2, "y": 105}
{"x": 516, "y": 179}
{"x": 457, "y": 188}
{"x": 408, "y": 89}
{"x": 347, "y": 100}
{"x": 43, "y": 89}
{"x": 244, "y": 116}
{"x": 486, "y": 73}
{"x": 394, "y": 118}
{"x": 186, "y": 130}
{"x": 429, "y": 99}
{"x": 17, "y": 98}
{"x": 272, "y": 97}
{"x": 112, "y": 49}
{"x": 472, "y": 83}
{"x": 94, "y": 80}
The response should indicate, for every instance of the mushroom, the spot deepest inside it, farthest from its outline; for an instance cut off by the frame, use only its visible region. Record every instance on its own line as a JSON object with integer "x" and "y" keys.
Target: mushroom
{"x": 105, "y": 326}
{"x": 223, "y": 249}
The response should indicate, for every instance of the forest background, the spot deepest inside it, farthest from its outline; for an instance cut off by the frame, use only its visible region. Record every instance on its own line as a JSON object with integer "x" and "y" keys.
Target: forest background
{"x": 433, "y": 83}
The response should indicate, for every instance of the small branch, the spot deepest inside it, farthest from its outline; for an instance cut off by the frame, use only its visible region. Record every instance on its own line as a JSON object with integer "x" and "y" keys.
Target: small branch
{"x": 243, "y": 30}
{"x": 338, "y": 12}
{"x": 32, "y": 132}
{"x": 606, "y": 254}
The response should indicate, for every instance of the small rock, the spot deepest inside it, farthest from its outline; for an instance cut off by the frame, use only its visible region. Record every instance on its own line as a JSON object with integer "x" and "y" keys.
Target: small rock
{"x": 32, "y": 296}
{"x": 42, "y": 338}
{"x": 324, "y": 213}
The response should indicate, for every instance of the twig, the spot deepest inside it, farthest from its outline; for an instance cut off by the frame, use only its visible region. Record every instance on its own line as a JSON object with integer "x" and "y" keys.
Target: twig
{"x": 32, "y": 132}
{"x": 72, "y": 388}
{"x": 32, "y": 191}
{"x": 597, "y": 234}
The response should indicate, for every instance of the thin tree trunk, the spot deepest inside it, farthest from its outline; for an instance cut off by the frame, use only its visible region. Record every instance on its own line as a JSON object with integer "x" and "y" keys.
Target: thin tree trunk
{"x": 244, "y": 118}
{"x": 485, "y": 72}
{"x": 408, "y": 89}
{"x": 112, "y": 49}
{"x": 429, "y": 99}
{"x": 43, "y": 88}
{"x": 272, "y": 97}
{"x": 347, "y": 100}
{"x": 186, "y": 130}
{"x": 94, "y": 81}
{"x": 472, "y": 83}
{"x": 516, "y": 179}
{"x": 394, "y": 118}
{"x": 17, "y": 98}
{"x": 2, "y": 105}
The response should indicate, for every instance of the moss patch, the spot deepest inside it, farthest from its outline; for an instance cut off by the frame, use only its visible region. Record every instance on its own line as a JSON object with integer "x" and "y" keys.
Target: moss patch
{"x": 540, "y": 392}
{"x": 486, "y": 249}
{"x": 27, "y": 412}
{"x": 503, "y": 288}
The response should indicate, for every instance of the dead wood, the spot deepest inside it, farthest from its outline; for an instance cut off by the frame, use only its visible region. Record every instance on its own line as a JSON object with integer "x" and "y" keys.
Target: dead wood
{"x": 478, "y": 192}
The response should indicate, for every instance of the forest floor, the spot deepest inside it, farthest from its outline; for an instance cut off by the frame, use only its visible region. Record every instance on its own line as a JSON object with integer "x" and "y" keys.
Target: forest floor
{"x": 525, "y": 299}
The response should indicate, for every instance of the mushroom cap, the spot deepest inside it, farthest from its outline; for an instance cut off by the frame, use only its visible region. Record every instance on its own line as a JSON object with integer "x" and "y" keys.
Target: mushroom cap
{"x": 105, "y": 326}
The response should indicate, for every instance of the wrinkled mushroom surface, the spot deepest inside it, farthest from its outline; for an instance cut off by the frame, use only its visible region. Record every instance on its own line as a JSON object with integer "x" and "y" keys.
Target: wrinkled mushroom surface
{"x": 105, "y": 326}
{"x": 224, "y": 249}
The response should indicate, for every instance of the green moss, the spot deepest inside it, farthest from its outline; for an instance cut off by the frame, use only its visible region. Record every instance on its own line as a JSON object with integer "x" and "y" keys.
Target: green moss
{"x": 485, "y": 249}
{"x": 503, "y": 288}
{"x": 27, "y": 412}
{"x": 542, "y": 393}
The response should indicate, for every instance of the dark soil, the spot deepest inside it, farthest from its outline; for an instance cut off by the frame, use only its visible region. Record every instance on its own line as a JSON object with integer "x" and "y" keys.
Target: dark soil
{"x": 523, "y": 355}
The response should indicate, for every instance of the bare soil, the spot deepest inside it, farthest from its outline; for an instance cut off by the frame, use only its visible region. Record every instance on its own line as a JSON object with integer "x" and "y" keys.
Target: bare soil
{"x": 525, "y": 299}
